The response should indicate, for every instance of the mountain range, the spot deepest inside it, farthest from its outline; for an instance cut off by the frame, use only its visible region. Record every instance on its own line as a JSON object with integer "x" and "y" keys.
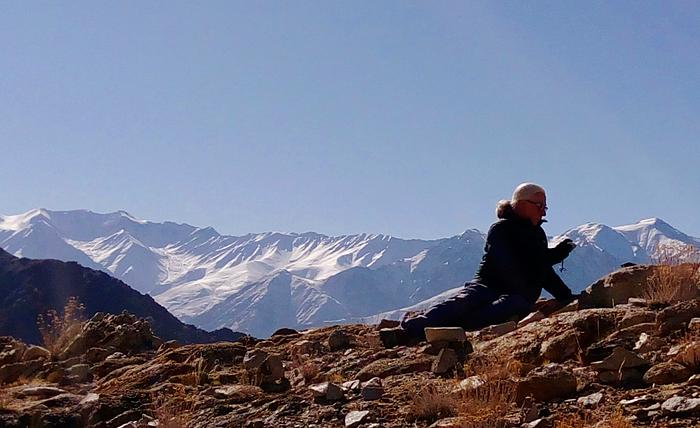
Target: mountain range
{"x": 256, "y": 283}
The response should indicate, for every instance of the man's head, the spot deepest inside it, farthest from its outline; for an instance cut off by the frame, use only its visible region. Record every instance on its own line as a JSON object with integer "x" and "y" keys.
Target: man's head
{"x": 529, "y": 201}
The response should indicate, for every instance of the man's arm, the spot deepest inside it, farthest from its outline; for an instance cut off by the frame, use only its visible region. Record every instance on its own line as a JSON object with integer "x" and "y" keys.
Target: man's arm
{"x": 555, "y": 286}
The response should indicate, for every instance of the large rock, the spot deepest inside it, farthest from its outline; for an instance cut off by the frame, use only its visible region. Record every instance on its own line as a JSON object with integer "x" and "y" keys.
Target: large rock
{"x": 546, "y": 383}
{"x": 36, "y": 353}
{"x": 390, "y": 367}
{"x": 562, "y": 347}
{"x": 11, "y": 350}
{"x": 620, "y": 358}
{"x": 446, "y": 360}
{"x": 616, "y": 288}
{"x": 667, "y": 372}
{"x": 445, "y": 334}
{"x": 678, "y": 316}
{"x": 681, "y": 406}
{"x": 687, "y": 354}
{"x": 11, "y": 372}
{"x": 124, "y": 332}
{"x": 327, "y": 391}
{"x": 356, "y": 418}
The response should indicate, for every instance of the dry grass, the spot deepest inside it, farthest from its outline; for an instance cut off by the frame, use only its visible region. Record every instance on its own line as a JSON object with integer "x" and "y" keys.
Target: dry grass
{"x": 486, "y": 405}
{"x": 676, "y": 275}
{"x": 173, "y": 410}
{"x": 432, "y": 402}
{"x": 57, "y": 330}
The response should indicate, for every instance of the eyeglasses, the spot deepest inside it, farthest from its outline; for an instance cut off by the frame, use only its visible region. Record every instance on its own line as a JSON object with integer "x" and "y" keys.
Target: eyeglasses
{"x": 540, "y": 205}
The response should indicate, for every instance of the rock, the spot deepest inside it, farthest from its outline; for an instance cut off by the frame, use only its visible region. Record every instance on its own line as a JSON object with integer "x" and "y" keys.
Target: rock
{"x": 355, "y": 418}
{"x": 445, "y": 334}
{"x": 273, "y": 368}
{"x": 445, "y": 361}
{"x": 327, "y": 391}
{"x": 622, "y": 376}
{"x": 167, "y": 346}
{"x": 687, "y": 354}
{"x": 678, "y": 316}
{"x": 647, "y": 343}
{"x": 307, "y": 347}
{"x": 667, "y": 372}
{"x": 636, "y": 401}
{"x": 616, "y": 288}
{"x": 96, "y": 355}
{"x": 546, "y": 383}
{"x": 470, "y": 384}
{"x": 36, "y": 353}
{"x": 390, "y": 367}
{"x": 694, "y": 325}
{"x": 238, "y": 393}
{"x": 80, "y": 371}
{"x": 562, "y": 347}
{"x": 679, "y": 406}
{"x": 11, "y": 372}
{"x": 532, "y": 317}
{"x": 620, "y": 358}
{"x": 590, "y": 400}
{"x": 637, "y": 317}
{"x": 338, "y": 339}
{"x": 494, "y": 331}
{"x": 453, "y": 422}
{"x": 637, "y": 302}
{"x": 89, "y": 399}
{"x": 11, "y": 350}
{"x": 372, "y": 389}
{"x": 39, "y": 392}
{"x": 254, "y": 359}
{"x": 285, "y": 332}
{"x": 528, "y": 411}
{"x": 352, "y": 385}
{"x": 569, "y": 307}
{"x": 116, "y": 356}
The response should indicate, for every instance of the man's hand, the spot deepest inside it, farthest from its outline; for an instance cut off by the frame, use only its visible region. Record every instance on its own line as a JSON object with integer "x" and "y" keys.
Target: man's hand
{"x": 565, "y": 247}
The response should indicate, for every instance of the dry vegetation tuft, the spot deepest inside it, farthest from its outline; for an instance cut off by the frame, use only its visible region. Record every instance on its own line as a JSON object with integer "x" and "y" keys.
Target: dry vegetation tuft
{"x": 57, "y": 330}
{"x": 486, "y": 405}
{"x": 173, "y": 410}
{"x": 432, "y": 402}
{"x": 676, "y": 275}
{"x": 591, "y": 419}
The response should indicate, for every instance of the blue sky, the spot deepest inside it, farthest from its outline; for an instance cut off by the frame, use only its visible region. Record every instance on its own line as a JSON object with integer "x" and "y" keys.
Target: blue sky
{"x": 406, "y": 118}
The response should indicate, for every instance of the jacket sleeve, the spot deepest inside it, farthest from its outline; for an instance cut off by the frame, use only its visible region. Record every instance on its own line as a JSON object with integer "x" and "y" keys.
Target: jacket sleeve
{"x": 555, "y": 286}
{"x": 556, "y": 255}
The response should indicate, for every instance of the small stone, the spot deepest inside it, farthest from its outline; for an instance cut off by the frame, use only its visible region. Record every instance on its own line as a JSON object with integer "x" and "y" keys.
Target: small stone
{"x": 284, "y": 331}
{"x": 90, "y": 398}
{"x": 116, "y": 356}
{"x": 237, "y": 391}
{"x": 355, "y": 418}
{"x": 622, "y": 376}
{"x": 546, "y": 383}
{"x": 328, "y": 391}
{"x": 590, "y": 400}
{"x": 647, "y": 343}
{"x": 528, "y": 411}
{"x": 454, "y": 422}
{"x": 352, "y": 385}
{"x": 538, "y": 423}
{"x": 532, "y": 317}
{"x": 494, "y": 331}
{"x": 372, "y": 389}
{"x": 637, "y": 301}
{"x": 385, "y": 323}
{"x": 470, "y": 384}
{"x": 694, "y": 380}
{"x": 636, "y": 401}
{"x": 254, "y": 359}
{"x": 620, "y": 358}
{"x": 687, "y": 354}
{"x": 681, "y": 406}
{"x": 445, "y": 334}
{"x": 446, "y": 360}
{"x": 694, "y": 325}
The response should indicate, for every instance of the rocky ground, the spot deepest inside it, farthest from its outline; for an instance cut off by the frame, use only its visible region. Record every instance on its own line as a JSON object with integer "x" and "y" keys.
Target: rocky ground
{"x": 594, "y": 363}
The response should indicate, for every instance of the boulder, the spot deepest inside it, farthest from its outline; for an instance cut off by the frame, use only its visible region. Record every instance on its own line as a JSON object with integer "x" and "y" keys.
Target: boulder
{"x": 327, "y": 391}
{"x": 81, "y": 372}
{"x": 667, "y": 372}
{"x": 687, "y": 354}
{"x": 307, "y": 347}
{"x": 254, "y": 359}
{"x": 591, "y": 400}
{"x": 36, "y": 353}
{"x": 678, "y": 316}
{"x": 338, "y": 339}
{"x": 11, "y": 372}
{"x": 620, "y": 358}
{"x": 562, "y": 347}
{"x": 546, "y": 383}
{"x": 616, "y": 287}
{"x": 385, "y": 323}
{"x": 681, "y": 406}
{"x": 632, "y": 318}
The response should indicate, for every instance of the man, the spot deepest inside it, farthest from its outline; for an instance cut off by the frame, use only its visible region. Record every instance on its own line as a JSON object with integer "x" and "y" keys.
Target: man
{"x": 516, "y": 265}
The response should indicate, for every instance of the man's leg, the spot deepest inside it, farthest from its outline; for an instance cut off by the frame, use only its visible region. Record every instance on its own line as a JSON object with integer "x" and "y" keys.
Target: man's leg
{"x": 453, "y": 312}
{"x": 503, "y": 309}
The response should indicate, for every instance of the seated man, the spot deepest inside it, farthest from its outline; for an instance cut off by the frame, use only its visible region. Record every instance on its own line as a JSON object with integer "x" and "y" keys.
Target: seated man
{"x": 516, "y": 265}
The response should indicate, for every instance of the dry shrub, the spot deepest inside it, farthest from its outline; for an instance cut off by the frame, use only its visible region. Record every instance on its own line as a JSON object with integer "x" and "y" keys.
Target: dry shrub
{"x": 676, "y": 275}
{"x": 486, "y": 405}
{"x": 432, "y": 402}
{"x": 57, "y": 330}
{"x": 173, "y": 409}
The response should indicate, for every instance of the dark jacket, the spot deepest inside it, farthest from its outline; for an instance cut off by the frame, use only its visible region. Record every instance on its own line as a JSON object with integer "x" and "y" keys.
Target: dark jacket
{"x": 518, "y": 261}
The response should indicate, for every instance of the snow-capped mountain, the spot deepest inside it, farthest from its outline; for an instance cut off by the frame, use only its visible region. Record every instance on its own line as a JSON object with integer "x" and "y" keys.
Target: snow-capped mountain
{"x": 258, "y": 282}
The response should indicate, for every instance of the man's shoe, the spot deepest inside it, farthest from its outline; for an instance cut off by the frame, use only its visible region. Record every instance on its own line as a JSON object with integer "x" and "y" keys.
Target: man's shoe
{"x": 392, "y": 337}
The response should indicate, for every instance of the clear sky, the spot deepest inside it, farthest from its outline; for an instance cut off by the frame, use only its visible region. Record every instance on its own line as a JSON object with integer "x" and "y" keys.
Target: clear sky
{"x": 397, "y": 117}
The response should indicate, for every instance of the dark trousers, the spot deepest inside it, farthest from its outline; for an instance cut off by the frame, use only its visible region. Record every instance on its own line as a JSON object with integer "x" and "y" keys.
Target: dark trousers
{"x": 475, "y": 307}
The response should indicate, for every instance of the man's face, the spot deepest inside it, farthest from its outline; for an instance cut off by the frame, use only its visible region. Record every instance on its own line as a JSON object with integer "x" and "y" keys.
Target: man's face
{"x": 533, "y": 208}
